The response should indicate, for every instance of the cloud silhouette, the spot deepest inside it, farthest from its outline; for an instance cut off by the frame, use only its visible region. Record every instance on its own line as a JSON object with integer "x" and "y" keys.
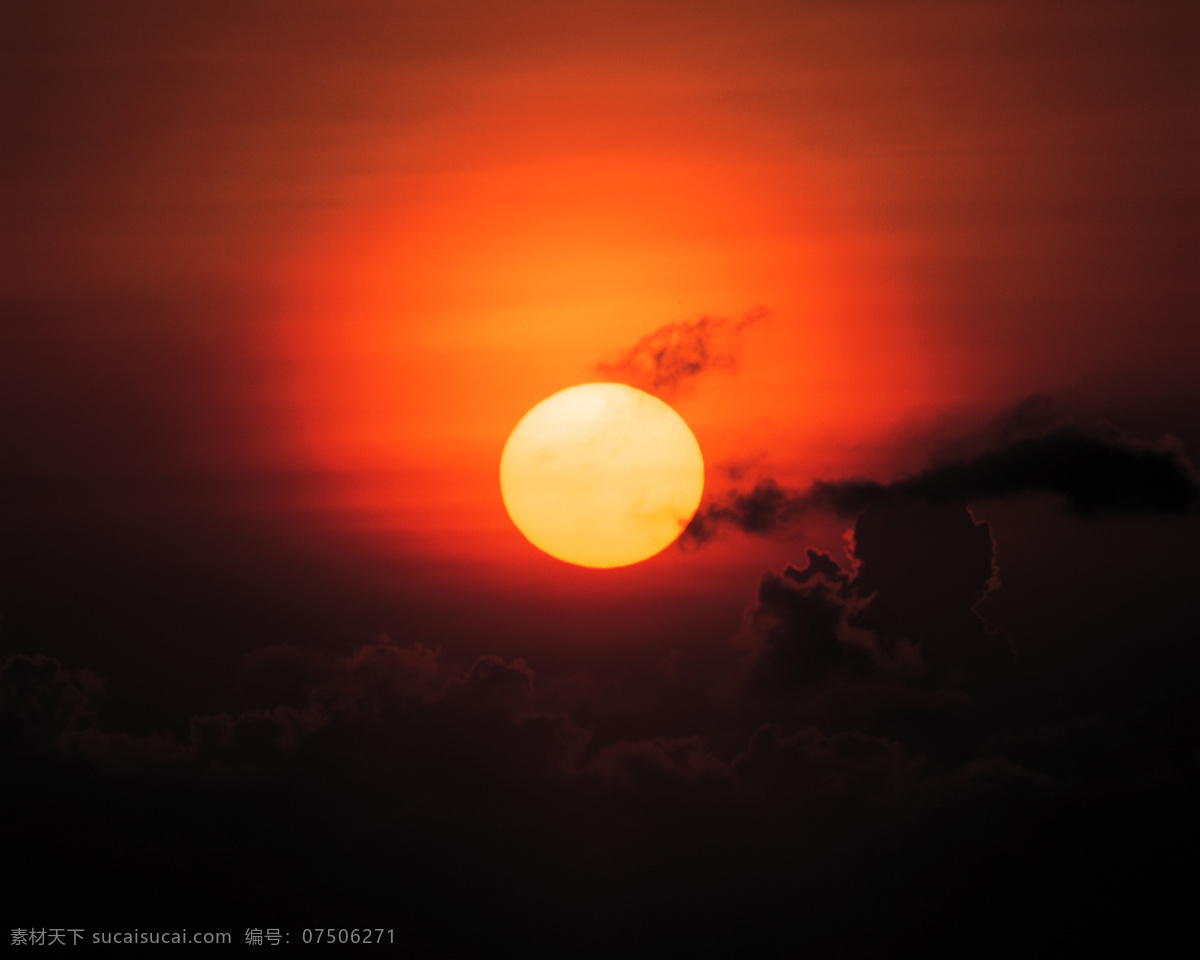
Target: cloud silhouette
{"x": 1096, "y": 474}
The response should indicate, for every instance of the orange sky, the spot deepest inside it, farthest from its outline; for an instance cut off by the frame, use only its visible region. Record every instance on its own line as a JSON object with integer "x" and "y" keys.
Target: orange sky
{"x": 428, "y": 219}
{"x": 540, "y": 212}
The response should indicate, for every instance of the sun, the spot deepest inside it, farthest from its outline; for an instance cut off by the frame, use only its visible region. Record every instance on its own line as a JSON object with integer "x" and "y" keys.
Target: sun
{"x": 601, "y": 475}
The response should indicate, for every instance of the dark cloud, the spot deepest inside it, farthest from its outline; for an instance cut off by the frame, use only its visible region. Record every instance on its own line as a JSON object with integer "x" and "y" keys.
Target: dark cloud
{"x": 893, "y": 647}
{"x": 40, "y": 702}
{"x": 661, "y": 763}
{"x": 45, "y": 711}
{"x": 766, "y": 508}
{"x": 922, "y": 570}
{"x": 846, "y": 765}
{"x": 1097, "y": 751}
{"x": 802, "y": 618}
{"x": 1097, "y": 474}
{"x": 662, "y": 361}
{"x": 505, "y": 689}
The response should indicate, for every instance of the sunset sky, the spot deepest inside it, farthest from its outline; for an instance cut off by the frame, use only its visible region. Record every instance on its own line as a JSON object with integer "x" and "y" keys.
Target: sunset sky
{"x": 281, "y": 278}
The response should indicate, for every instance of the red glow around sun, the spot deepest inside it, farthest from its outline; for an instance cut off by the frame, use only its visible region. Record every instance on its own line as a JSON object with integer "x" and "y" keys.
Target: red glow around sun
{"x": 424, "y": 327}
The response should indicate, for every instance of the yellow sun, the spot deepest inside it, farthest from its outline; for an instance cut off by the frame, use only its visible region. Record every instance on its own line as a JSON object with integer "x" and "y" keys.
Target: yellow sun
{"x": 601, "y": 475}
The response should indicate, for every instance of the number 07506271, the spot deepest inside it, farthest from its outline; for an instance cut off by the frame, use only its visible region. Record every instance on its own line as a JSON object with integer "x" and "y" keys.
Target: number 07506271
{"x": 348, "y": 935}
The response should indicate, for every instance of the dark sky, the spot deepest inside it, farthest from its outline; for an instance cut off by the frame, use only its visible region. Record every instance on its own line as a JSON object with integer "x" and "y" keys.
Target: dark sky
{"x": 921, "y": 277}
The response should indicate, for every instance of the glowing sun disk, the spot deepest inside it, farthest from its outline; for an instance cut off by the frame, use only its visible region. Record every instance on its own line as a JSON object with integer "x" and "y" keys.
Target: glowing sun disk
{"x": 601, "y": 475}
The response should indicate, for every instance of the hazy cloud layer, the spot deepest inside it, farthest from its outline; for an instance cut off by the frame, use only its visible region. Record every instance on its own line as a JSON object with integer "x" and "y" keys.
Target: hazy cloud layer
{"x": 880, "y": 682}
{"x": 864, "y": 735}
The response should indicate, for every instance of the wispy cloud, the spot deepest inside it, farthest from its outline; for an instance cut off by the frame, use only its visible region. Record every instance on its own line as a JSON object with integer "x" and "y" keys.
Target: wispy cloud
{"x": 676, "y": 353}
